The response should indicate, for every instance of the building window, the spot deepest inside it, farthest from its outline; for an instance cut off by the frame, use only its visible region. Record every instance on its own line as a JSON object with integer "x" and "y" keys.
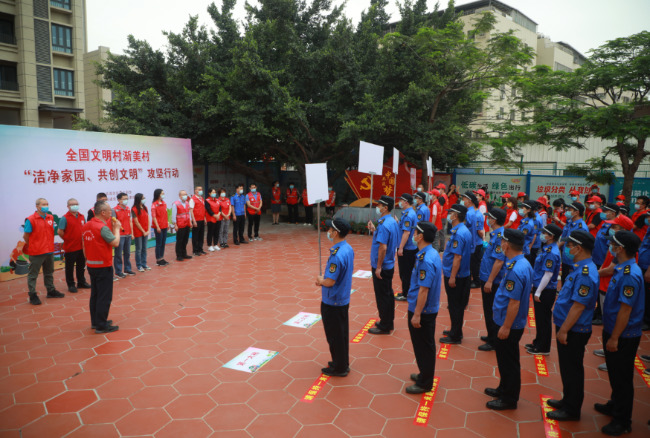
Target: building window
{"x": 8, "y": 77}
{"x": 7, "y": 34}
{"x": 512, "y": 114}
{"x": 503, "y": 92}
{"x": 500, "y": 114}
{"x": 63, "y": 4}
{"x": 61, "y": 38}
{"x": 63, "y": 82}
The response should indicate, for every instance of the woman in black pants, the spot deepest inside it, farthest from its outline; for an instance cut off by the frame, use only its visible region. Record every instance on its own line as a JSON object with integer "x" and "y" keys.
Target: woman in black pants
{"x": 213, "y": 217}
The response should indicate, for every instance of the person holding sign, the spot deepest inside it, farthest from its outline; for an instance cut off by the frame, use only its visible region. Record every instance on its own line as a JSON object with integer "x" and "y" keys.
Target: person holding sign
{"x": 336, "y": 286}
{"x": 330, "y": 203}
{"x": 309, "y": 209}
{"x": 424, "y": 303}
{"x": 382, "y": 260}
{"x": 407, "y": 248}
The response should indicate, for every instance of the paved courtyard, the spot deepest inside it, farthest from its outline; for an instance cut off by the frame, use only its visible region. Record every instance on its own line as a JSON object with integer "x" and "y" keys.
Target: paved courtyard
{"x": 162, "y": 373}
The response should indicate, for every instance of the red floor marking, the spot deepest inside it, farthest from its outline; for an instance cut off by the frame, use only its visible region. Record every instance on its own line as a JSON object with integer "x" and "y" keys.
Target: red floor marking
{"x": 551, "y": 427}
{"x": 424, "y": 409}
{"x": 531, "y": 317}
{"x": 362, "y": 333}
{"x": 444, "y": 351}
{"x": 313, "y": 391}
{"x": 540, "y": 365}
{"x": 640, "y": 368}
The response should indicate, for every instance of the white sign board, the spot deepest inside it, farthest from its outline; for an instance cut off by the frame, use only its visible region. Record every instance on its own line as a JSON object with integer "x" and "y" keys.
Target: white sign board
{"x": 58, "y": 164}
{"x": 251, "y": 360}
{"x": 430, "y": 167}
{"x": 316, "y": 182}
{"x": 362, "y": 274}
{"x": 395, "y": 161}
{"x": 371, "y": 158}
{"x": 303, "y": 320}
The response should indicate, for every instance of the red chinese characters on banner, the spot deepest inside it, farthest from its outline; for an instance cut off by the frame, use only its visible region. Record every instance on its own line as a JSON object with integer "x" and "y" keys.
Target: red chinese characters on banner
{"x": 118, "y": 155}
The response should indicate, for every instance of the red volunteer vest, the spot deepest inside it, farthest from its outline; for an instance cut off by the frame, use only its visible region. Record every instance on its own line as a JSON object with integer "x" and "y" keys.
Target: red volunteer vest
{"x": 305, "y": 201}
{"x": 124, "y": 215}
{"x": 438, "y": 222}
{"x": 225, "y": 207}
{"x": 99, "y": 254}
{"x": 215, "y": 206}
{"x": 640, "y": 232}
{"x": 199, "y": 208}
{"x": 255, "y": 200}
{"x": 590, "y": 219}
{"x": 143, "y": 220}
{"x": 445, "y": 208}
{"x": 41, "y": 239}
{"x": 276, "y": 196}
{"x": 159, "y": 211}
{"x": 72, "y": 232}
{"x": 182, "y": 213}
{"x": 292, "y": 196}
{"x": 330, "y": 202}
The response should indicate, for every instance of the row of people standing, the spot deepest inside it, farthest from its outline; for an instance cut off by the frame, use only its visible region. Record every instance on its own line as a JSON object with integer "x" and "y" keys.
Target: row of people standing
{"x": 293, "y": 198}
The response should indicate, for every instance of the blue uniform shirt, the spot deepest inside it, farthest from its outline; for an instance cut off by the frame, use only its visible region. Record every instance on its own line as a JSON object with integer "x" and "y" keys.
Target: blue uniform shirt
{"x": 340, "y": 266}
{"x": 601, "y": 245}
{"x": 644, "y": 251}
{"x": 239, "y": 204}
{"x": 581, "y": 286}
{"x": 492, "y": 253}
{"x": 470, "y": 223}
{"x": 539, "y": 223}
{"x": 407, "y": 222}
{"x": 422, "y": 212}
{"x": 571, "y": 226}
{"x": 460, "y": 242}
{"x": 547, "y": 260}
{"x": 529, "y": 228}
{"x": 516, "y": 285}
{"x": 426, "y": 273}
{"x": 388, "y": 233}
{"x": 479, "y": 221}
{"x": 626, "y": 286}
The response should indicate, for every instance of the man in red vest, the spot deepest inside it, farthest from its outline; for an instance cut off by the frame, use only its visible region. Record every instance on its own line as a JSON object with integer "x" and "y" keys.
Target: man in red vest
{"x": 181, "y": 221}
{"x": 197, "y": 214}
{"x": 276, "y": 202}
{"x": 70, "y": 226}
{"x": 292, "y": 204}
{"x": 330, "y": 204}
{"x": 593, "y": 220}
{"x": 101, "y": 196}
{"x": 98, "y": 243}
{"x": 254, "y": 212}
{"x": 122, "y": 257}
{"x": 39, "y": 246}
{"x": 309, "y": 209}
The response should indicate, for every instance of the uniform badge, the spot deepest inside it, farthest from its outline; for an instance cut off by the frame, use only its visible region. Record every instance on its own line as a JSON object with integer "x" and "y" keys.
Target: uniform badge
{"x": 510, "y": 285}
{"x": 332, "y": 268}
{"x": 525, "y": 231}
{"x": 511, "y": 265}
{"x": 498, "y": 250}
{"x": 423, "y": 274}
{"x": 628, "y": 291}
{"x": 419, "y": 217}
{"x": 421, "y": 257}
{"x": 498, "y": 235}
{"x": 627, "y": 270}
{"x": 335, "y": 251}
{"x": 407, "y": 223}
{"x": 585, "y": 270}
{"x": 381, "y": 221}
{"x": 455, "y": 244}
{"x": 583, "y": 291}
{"x": 549, "y": 264}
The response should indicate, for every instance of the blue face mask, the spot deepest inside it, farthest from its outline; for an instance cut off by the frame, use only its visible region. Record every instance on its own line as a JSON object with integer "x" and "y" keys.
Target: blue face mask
{"x": 574, "y": 198}
{"x": 567, "y": 254}
{"x": 413, "y": 240}
{"x": 603, "y": 216}
{"x": 213, "y": 195}
{"x": 611, "y": 232}
{"x": 542, "y": 237}
{"x": 253, "y": 190}
{"x": 647, "y": 221}
{"x": 521, "y": 212}
{"x": 45, "y": 209}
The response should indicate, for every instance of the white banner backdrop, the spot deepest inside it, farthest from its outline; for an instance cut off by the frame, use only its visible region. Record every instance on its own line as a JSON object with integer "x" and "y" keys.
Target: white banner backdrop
{"x": 58, "y": 164}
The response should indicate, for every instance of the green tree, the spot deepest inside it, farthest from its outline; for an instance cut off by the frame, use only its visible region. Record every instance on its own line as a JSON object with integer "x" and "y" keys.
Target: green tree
{"x": 606, "y": 98}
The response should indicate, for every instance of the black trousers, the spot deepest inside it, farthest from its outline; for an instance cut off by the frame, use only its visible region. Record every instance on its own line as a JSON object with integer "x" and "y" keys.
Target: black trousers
{"x": 337, "y": 332}
{"x": 424, "y": 347}
{"x": 646, "y": 317}
{"x": 75, "y": 261}
{"x": 572, "y": 370}
{"x": 293, "y": 213}
{"x": 309, "y": 214}
{"x": 457, "y": 299}
{"x": 182, "y": 236}
{"x": 198, "y": 234}
{"x": 253, "y": 220}
{"x": 475, "y": 264}
{"x": 385, "y": 298}
{"x": 488, "y": 301}
{"x": 566, "y": 270}
{"x": 213, "y": 233}
{"x": 509, "y": 365}
{"x": 101, "y": 295}
{"x": 620, "y": 368}
{"x": 532, "y": 256}
{"x": 544, "y": 319}
{"x": 238, "y": 229}
{"x": 406, "y": 263}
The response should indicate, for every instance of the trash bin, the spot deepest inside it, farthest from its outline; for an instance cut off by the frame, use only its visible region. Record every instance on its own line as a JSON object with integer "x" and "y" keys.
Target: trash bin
{"x": 22, "y": 267}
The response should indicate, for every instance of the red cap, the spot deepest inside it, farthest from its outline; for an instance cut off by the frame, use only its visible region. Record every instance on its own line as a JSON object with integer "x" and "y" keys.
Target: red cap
{"x": 574, "y": 192}
{"x": 620, "y": 203}
{"x": 623, "y": 221}
{"x": 620, "y": 197}
{"x": 594, "y": 199}
{"x": 542, "y": 200}
{"x": 480, "y": 192}
{"x": 435, "y": 193}
{"x": 521, "y": 195}
{"x": 441, "y": 186}
{"x": 506, "y": 195}
{"x": 594, "y": 185}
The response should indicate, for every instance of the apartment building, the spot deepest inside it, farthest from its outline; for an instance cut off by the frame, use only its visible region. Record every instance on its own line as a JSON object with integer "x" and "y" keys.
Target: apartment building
{"x": 42, "y": 46}
{"x": 96, "y": 96}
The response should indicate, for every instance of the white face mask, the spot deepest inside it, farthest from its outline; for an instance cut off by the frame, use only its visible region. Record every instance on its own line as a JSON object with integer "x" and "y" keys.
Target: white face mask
{"x": 200, "y": 192}
{"x": 125, "y": 202}
{"x": 329, "y": 237}
{"x": 162, "y": 196}
{"x": 378, "y": 210}
{"x": 240, "y": 191}
{"x": 184, "y": 197}
{"x": 143, "y": 201}
{"x": 223, "y": 195}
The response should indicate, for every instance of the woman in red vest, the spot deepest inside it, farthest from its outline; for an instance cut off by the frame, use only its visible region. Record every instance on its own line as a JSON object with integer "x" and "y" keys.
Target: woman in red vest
{"x": 276, "y": 202}
{"x": 292, "y": 204}
{"x": 330, "y": 204}
{"x": 160, "y": 222}
{"x": 226, "y": 212}
{"x": 213, "y": 217}
{"x": 309, "y": 209}
{"x": 141, "y": 231}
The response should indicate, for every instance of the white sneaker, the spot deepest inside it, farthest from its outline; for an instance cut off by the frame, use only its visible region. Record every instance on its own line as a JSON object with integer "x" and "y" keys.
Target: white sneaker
{"x": 258, "y": 238}
{"x": 211, "y": 248}
{"x": 140, "y": 269}
{"x": 599, "y": 353}
{"x": 216, "y": 248}
{"x": 602, "y": 367}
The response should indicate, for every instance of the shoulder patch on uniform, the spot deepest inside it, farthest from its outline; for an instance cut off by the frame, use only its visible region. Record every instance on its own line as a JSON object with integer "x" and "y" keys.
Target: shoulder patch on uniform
{"x": 419, "y": 217}
{"x": 525, "y": 231}
{"x": 335, "y": 251}
{"x": 547, "y": 249}
{"x": 498, "y": 235}
{"x": 423, "y": 274}
{"x": 453, "y": 231}
{"x": 407, "y": 223}
{"x": 498, "y": 249}
{"x": 549, "y": 264}
{"x": 381, "y": 221}
{"x": 628, "y": 291}
{"x": 585, "y": 270}
{"x": 627, "y": 270}
{"x": 584, "y": 291}
{"x": 421, "y": 257}
{"x": 455, "y": 244}
{"x": 511, "y": 265}
{"x": 510, "y": 285}
{"x": 332, "y": 268}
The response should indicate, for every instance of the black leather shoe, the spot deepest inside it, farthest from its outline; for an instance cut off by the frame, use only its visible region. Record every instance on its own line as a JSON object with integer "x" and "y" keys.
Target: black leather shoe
{"x": 34, "y": 299}
{"x": 604, "y": 408}
{"x": 187, "y": 257}
{"x": 448, "y": 332}
{"x": 83, "y": 285}
{"x": 331, "y": 372}
{"x": 415, "y": 389}
{"x": 561, "y": 415}
{"x": 485, "y": 338}
{"x": 55, "y": 294}
{"x": 448, "y": 340}
{"x": 486, "y": 347}
{"x": 529, "y": 346}
{"x": 378, "y": 331}
{"x": 492, "y": 392}
{"x": 615, "y": 429}
{"x": 414, "y": 377}
{"x": 72, "y": 289}
{"x": 107, "y": 329}
{"x": 330, "y": 364}
{"x": 244, "y": 242}
{"x": 555, "y": 404}
{"x": 500, "y": 405}
{"x": 109, "y": 322}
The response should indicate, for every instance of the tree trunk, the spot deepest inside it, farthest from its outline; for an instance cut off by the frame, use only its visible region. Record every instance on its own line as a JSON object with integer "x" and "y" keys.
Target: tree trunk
{"x": 630, "y": 169}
